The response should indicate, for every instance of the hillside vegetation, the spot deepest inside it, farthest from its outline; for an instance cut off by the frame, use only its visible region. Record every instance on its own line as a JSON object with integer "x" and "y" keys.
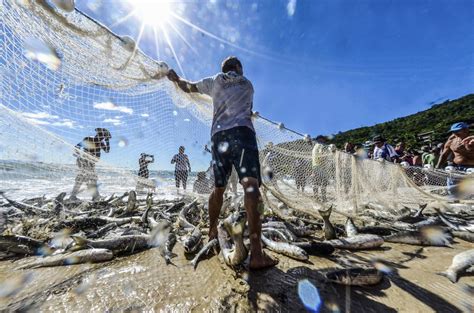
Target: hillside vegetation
{"x": 438, "y": 118}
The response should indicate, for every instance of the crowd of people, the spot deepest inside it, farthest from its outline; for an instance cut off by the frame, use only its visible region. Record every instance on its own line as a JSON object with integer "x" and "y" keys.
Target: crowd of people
{"x": 232, "y": 97}
{"x": 457, "y": 151}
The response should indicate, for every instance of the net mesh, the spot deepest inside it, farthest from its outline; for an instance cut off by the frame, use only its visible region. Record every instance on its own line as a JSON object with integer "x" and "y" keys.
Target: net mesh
{"x": 93, "y": 78}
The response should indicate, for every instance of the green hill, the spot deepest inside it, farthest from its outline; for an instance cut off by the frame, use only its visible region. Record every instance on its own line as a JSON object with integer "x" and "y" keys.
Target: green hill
{"x": 438, "y": 118}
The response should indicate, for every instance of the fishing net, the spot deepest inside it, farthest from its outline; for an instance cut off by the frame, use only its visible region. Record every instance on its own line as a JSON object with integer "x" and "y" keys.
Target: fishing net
{"x": 64, "y": 74}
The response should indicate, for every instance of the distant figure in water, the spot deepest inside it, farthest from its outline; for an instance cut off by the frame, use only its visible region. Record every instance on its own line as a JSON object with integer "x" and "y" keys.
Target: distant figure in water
{"x": 234, "y": 144}
{"x": 182, "y": 168}
{"x": 143, "y": 172}
{"x": 202, "y": 184}
{"x": 87, "y": 154}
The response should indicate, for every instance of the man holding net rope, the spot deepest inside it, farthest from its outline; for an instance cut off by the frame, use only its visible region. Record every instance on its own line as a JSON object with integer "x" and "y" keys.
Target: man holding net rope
{"x": 87, "y": 154}
{"x": 234, "y": 144}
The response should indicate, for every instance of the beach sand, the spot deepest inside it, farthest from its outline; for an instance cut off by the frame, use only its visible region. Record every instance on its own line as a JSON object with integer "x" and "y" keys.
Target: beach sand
{"x": 143, "y": 282}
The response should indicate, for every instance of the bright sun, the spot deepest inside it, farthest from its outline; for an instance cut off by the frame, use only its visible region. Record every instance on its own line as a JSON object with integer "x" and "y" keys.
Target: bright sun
{"x": 152, "y": 12}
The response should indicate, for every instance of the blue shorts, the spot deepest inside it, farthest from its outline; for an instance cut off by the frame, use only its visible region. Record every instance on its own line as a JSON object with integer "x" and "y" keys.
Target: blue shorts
{"x": 235, "y": 147}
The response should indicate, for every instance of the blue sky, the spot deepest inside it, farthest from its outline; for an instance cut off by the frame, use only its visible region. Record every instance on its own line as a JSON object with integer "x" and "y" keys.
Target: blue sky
{"x": 324, "y": 66}
{"x": 317, "y": 66}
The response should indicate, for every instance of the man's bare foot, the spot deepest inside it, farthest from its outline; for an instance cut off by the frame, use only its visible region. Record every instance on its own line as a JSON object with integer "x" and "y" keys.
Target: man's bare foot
{"x": 262, "y": 261}
{"x": 212, "y": 234}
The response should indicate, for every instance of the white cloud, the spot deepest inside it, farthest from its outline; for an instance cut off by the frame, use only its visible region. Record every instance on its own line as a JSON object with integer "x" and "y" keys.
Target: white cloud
{"x": 64, "y": 123}
{"x": 112, "y": 107}
{"x": 37, "y": 122}
{"x": 39, "y": 115}
{"x": 44, "y": 118}
{"x": 291, "y": 7}
{"x": 145, "y": 115}
{"x": 114, "y": 121}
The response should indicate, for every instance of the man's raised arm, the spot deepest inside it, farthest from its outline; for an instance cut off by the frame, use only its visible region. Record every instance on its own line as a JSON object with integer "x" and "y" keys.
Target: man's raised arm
{"x": 445, "y": 154}
{"x": 185, "y": 85}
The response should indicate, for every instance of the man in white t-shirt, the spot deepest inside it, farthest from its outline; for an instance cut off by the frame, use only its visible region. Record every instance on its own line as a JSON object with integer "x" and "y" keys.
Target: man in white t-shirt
{"x": 234, "y": 144}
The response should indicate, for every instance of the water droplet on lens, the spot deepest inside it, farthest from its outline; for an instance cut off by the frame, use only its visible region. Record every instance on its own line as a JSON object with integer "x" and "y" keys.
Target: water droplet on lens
{"x": 243, "y": 170}
{"x": 123, "y": 142}
{"x": 223, "y": 146}
{"x": 13, "y": 285}
{"x": 267, "y": 174}
{"x": 309, "y": 295}
{"x": 38, "y": 50}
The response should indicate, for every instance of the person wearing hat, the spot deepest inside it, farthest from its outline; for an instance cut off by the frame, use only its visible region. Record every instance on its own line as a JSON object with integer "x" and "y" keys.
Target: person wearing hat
{"x": 383, "y": 150}
{"x": 460, "y": 146}
{"x": 87, "y": 154}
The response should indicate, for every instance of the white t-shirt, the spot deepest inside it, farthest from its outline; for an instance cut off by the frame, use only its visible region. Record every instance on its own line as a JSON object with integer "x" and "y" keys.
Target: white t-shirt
{"x": 232, "y": 97}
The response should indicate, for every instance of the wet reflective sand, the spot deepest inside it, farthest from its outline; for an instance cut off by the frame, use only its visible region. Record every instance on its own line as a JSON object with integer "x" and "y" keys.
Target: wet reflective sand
{"x": 142, "y": 282}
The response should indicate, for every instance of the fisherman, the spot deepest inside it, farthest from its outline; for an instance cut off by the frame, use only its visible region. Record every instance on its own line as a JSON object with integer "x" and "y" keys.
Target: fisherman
{"x": 462, "y": 150}
{"x": 300, "y": 170}
{"x": 321, "y": 166}
{"x": 86, "y": 160}
{"x": 383, "y": 150}
{"x": 201, "y": 185}
{"x": 460, "y": 146}
{"x": 182, "y": 167}
{"x": 232, "y": 128}
{"x": 143, "y": 172}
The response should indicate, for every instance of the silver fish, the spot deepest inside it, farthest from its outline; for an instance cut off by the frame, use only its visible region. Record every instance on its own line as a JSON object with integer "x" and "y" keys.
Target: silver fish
{"x": 329, "y": 232}
{"x": 287, "y": 249}
{"x": 460, "y": 263}
{"x": 315, "y": 248}
{"x": 351, "y": 229}
{"x": 132, "y": 201}
{"x": 167, "y": 252}
{"x": 182, "y": 215}
{"x": 123, "y": 244}
{"x": 357, "y": 242}
{"x": 355, "y": 276}
{"x": 453, "y": 226}
{"x": 27, "y": 208}
{"x": 272, "y": 232}
{"x": 231, "y": 241}
{"x": 192, "y": 242}
{"x": 20, "y": 245}
{"x": 464, "y": 235}
{"x": 421, "y": 238}
{"x": 77, "y": 257}
{"x": 204, "y": 251}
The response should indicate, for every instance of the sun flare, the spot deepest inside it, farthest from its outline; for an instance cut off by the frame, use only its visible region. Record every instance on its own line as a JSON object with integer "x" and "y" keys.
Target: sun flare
{"x": 152, "y": 12}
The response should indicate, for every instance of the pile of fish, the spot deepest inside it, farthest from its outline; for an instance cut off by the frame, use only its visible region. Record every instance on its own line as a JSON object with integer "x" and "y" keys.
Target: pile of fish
{"x": 57, "y": 231}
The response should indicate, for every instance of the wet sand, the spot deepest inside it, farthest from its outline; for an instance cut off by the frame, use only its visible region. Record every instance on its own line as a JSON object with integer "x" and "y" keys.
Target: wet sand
{"x": 143, "y": 282}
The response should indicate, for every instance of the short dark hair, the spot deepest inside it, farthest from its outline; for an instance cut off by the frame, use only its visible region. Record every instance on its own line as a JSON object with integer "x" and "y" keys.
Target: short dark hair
{"x": 230, "y": 63}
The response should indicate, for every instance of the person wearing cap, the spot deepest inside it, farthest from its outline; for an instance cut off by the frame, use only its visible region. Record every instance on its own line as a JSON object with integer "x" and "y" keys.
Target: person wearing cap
{"x": 383, "y": 150}
{"x": 234, "y": 144}
{"x": 87, "y": 154}
{"x": 460, "y": 146}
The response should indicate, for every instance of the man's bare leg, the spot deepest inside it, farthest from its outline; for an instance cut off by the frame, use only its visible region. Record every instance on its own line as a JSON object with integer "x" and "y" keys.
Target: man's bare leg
{"x": 258, "y": 259}
{"x": 215, "y": 204}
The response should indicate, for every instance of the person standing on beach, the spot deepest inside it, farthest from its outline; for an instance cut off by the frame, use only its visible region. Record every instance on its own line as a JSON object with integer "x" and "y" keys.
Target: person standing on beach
{"x": 87, "y": 154}
{"x": 143, "y": 172}
{"x": 234, "y": 144}
{"x": 181, "y": 168}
